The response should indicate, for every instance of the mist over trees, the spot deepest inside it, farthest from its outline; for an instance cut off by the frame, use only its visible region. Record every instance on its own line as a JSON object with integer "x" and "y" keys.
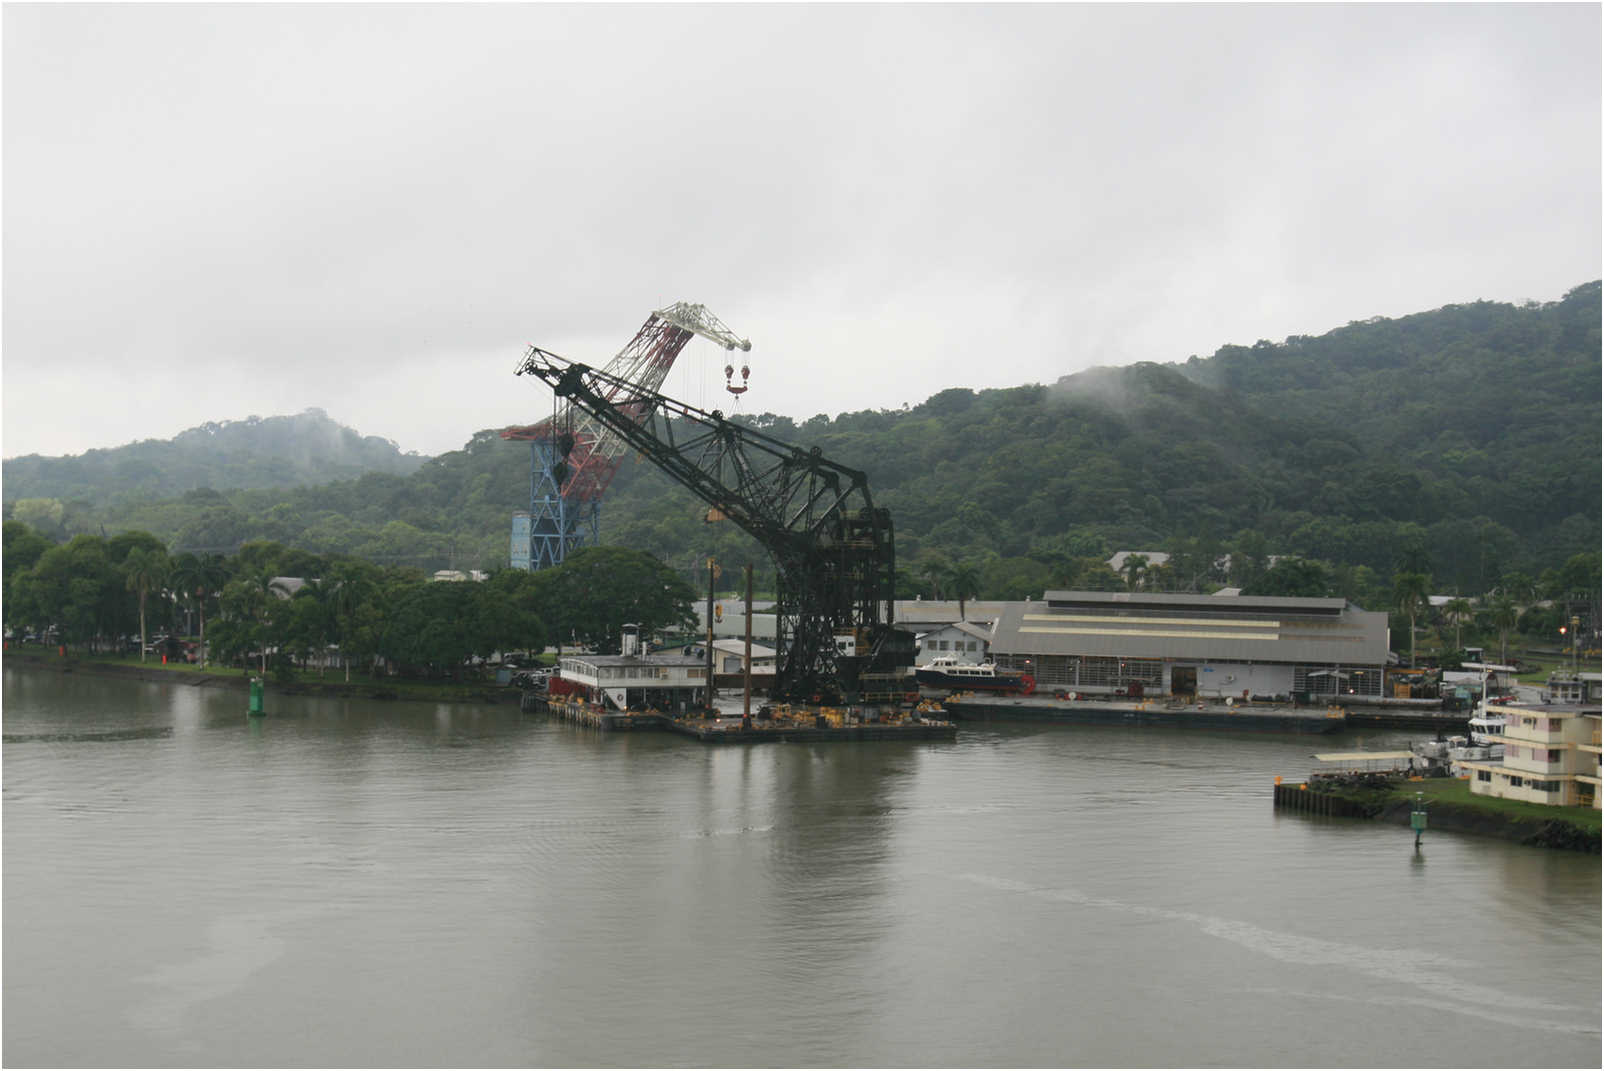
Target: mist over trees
{"x": 280, "y": 451}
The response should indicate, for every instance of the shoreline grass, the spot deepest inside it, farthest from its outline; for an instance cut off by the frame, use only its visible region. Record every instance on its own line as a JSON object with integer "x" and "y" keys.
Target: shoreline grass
{"x": 1455, "y": 791}
{"x": 469, "y": 689}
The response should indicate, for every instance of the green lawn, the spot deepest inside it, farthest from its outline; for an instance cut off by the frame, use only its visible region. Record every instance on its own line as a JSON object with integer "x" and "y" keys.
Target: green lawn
{"x": 1457, "y": 791}
{"x": 469, "y": 688}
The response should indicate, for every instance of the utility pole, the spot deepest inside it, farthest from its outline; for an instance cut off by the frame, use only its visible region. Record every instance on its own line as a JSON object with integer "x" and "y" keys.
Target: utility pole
{"x": 712, "y": 576}
{"x": 746, "y": 698}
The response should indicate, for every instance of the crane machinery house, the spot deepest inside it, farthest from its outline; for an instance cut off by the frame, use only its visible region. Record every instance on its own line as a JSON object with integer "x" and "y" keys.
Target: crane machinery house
{"x": 1208, "y": 646}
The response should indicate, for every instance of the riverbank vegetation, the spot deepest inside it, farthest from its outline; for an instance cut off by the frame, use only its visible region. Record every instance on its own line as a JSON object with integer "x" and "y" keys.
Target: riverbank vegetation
{"x": 290, "y": 612}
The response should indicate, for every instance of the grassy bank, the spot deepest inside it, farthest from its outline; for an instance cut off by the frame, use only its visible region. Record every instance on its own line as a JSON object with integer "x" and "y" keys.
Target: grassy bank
{"x": 1451, "y": 807}
{"x": 1454, "y": 791}
{"x": 297, "y": 682}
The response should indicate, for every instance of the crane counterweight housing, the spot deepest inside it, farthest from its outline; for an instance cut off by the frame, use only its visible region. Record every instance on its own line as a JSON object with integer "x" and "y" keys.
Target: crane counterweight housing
{"x": 833, "y": 549}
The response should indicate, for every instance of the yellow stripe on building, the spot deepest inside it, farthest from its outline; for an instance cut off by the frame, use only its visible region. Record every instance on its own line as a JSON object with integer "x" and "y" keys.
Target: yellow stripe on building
{"x": 1155, "y": 633}
{"x": 1105, "y": 618}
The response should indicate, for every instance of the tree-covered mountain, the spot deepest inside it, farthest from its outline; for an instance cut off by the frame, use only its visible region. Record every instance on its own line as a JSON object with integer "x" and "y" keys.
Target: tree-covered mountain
{"x": 280, "y": 451}
{"x": 1463, "y": 443}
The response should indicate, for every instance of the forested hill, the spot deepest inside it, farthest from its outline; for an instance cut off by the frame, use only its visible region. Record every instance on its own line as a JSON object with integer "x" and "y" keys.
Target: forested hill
{"x": 1463, "y": 442}
{"x": 280, "y": 451}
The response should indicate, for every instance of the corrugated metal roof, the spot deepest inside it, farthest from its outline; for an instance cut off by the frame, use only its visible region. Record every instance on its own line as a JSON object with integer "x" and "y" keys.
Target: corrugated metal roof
{"x": 1212, "y": 603}
{"x": 935, "y": 612}
{"x": 1193, "y": 627}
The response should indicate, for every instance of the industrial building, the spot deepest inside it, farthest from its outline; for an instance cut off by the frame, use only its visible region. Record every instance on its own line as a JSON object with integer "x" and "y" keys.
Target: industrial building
{"x": 1099, "y": 642}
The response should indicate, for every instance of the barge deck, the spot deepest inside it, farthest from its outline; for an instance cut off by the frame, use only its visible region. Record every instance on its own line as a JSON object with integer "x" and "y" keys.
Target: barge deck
{"x": 796, "y": 725}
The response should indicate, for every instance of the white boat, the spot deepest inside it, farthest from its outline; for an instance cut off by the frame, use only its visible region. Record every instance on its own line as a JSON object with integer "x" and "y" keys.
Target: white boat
{"x": 1487, "y": 728}
{"x": 947, "y": 672}
{"x": 1487, "y": 731}
{"x": 1462, "y": 749}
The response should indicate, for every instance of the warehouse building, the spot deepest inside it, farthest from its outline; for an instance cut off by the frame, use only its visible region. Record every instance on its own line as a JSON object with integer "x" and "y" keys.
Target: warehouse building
{"x": 1099, "y": 642}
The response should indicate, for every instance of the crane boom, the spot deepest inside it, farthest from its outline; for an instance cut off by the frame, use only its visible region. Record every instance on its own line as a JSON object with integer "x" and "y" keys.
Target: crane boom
{"x": 833, "y": 549}
{"x": 566, "y": 494}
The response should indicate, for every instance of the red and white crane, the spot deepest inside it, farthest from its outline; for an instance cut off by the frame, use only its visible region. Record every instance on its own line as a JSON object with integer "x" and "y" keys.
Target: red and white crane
{"x": 576, "y": 456}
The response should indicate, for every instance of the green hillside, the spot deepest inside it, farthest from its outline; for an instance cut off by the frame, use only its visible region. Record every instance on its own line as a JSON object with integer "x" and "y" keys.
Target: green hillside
{"x": 281, "y": 451}
{"x": 1462, "y": 442}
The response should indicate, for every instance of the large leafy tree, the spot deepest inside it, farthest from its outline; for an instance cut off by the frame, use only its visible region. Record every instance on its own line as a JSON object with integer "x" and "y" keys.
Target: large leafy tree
{"x": 354, "y": 587}
{"x": 1293, "y": 576}
{"x": 21, "y": 549}
{"x": 308, "y": 622}
{"x": 431, "y": 631}
{"x": 598, "y": 590}
{"x": 74, "y": 587}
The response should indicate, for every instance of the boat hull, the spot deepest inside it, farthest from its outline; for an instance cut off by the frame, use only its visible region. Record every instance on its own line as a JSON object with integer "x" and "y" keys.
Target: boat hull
{"x": 1002, "y": 682}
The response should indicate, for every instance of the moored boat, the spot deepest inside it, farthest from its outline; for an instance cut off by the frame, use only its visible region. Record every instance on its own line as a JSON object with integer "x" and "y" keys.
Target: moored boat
{"x": 947, "y": 672}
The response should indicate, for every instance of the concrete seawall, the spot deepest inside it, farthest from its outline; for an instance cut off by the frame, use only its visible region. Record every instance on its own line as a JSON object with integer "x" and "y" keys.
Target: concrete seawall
{"x": 1155, "y": 713}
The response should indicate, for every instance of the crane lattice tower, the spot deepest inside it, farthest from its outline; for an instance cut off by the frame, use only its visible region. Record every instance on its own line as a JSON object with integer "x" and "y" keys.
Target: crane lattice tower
{"x": 573, "y": 456}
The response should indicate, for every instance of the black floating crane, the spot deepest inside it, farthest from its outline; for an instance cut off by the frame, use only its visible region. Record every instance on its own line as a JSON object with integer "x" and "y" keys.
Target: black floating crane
{"x": 833, "y": 551}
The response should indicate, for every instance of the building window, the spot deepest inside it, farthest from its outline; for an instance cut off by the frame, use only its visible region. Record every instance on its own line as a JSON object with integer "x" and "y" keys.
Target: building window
{"x": 1515, "y": 782}
{"x": 1554, "y": 754}
{"x": 1484, "y": 775}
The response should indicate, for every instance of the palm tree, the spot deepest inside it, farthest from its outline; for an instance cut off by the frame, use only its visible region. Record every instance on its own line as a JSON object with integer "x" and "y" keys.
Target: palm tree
{"x": 1503, "y": 615}
{"x": 1134, "y": 568}
{"x": 1410, "y": 595}
{"x": 197, "y": 580}
{"x": 936, "y": 573}
{"x": 145, "y": 570}
{"x": 964, "y": 580}
{"x": 351, "y": 589}
{"x": 1456, "y": 612}
{"x": 320, "y": 624}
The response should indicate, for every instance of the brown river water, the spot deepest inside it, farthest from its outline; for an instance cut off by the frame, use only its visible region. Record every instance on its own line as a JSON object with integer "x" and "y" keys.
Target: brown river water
{"x": 362, "y": 883}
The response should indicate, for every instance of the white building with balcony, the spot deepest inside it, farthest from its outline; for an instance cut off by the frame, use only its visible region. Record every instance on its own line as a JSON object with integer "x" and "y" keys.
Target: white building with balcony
{"x": 633, "y": 680}
{"x": 1551, "y": 756}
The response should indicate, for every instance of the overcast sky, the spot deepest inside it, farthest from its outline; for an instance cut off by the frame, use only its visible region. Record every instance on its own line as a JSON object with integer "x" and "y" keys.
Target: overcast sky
{"x": 214, "y": 211}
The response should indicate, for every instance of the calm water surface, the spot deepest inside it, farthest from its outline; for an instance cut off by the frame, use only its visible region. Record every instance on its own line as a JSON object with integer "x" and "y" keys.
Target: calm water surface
{"x": 360, "y": 883}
